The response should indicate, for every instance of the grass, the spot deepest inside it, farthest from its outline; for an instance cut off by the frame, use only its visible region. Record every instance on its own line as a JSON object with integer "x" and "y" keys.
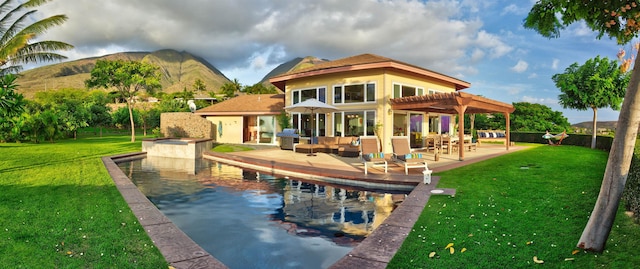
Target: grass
{"x": 533, "y": 202}
{"x": 229, "y": 148}
{"x": 60, "y": 208}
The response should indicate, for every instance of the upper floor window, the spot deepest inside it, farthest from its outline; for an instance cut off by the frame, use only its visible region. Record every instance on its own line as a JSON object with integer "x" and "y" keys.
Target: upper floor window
{"x": 298, "y": 96}
{"x": 401, "y": 90}
{"x": 432, "y": 91}
{"x": 354, "y": 93}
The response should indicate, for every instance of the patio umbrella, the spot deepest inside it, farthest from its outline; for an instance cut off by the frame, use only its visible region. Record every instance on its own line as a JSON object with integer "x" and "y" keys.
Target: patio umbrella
{"x": 311, "y": 106}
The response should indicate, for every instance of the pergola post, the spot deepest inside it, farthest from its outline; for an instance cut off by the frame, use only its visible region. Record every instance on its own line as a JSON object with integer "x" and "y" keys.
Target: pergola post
{"x": 461, "y": 109}
{"x": 508, "y": 129}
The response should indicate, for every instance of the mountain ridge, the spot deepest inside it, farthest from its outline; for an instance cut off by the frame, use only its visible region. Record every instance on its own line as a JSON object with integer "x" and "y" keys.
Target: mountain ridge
{"x": 179, "y": 70}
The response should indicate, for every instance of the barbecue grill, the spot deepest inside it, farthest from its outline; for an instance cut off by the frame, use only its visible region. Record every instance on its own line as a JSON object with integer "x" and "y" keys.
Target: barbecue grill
{"x": 288, "y": 137}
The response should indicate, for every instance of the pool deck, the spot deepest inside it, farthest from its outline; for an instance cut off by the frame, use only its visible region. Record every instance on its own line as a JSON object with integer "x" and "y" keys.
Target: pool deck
{"x": 373, "y": 252}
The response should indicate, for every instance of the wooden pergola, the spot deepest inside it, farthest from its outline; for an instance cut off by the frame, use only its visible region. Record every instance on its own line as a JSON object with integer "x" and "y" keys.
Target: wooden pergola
{"x": 459, "y": 103}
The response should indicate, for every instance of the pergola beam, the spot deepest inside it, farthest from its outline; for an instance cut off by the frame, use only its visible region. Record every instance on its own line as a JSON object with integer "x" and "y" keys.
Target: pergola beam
{"x": 456, "y": 103}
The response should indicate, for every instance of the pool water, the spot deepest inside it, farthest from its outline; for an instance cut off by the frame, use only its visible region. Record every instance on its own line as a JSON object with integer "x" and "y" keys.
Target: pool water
{"x": 251, "y": 220}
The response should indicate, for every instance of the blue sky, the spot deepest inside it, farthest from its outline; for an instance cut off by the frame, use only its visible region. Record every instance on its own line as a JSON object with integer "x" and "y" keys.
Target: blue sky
{"x": 482, "y": 42}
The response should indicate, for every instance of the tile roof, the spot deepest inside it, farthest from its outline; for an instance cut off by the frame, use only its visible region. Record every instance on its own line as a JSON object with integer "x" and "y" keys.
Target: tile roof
{"x": 249, "y": 104}
{"x": 363, "y": 62}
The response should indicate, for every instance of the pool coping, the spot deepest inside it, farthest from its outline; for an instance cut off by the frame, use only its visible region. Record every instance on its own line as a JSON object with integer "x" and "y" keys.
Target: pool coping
{"x": 181, "y": 251}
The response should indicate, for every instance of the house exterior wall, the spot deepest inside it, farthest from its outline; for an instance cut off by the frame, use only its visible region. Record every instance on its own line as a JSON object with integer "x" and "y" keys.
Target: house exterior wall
{"x": 228, "y": 129}
{"x": 384, "y": 80}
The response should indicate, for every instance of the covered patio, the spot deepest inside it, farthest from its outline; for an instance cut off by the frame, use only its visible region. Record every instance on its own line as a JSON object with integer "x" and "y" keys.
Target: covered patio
{"x": 456, "y": 103}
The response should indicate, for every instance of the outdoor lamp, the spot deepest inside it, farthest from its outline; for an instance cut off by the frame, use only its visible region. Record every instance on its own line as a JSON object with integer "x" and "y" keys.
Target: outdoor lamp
{"x": 426, "y": 176}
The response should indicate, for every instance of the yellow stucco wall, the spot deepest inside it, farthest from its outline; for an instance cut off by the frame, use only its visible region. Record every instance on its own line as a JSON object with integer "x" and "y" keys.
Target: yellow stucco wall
{"x": 384, "y": 80}
{"x": 231, "y": 128}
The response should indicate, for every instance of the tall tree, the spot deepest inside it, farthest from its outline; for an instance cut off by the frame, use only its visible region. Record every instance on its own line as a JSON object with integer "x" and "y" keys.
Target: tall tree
{"x": 598, "y": 83}
{"x": 537, "y": 117}
{"x": 259, "y": 88}
{"x": 17, "y": 32}
{"x": 199, "y": 86}
{"x": 230, "y": 89}
{"x": 129, "y": 78}
{"x": 616, "y": 19}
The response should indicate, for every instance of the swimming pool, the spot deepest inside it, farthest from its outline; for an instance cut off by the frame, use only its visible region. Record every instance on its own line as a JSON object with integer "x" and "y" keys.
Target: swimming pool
{"x": 251, "y": 220}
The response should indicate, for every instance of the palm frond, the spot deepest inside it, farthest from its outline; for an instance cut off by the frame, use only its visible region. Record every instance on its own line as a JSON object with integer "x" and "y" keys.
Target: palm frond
{"x": 16, "y": 33}
{"x": 32, "y": 57}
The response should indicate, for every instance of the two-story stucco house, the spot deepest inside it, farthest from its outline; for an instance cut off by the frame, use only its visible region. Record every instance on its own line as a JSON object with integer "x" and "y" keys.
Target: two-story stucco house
{"x": 375, "y": 94}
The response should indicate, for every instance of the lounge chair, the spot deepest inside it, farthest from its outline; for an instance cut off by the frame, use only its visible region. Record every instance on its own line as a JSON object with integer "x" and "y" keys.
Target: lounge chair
{"x": 370, "y": 153}
{"x": 403, "y": 155}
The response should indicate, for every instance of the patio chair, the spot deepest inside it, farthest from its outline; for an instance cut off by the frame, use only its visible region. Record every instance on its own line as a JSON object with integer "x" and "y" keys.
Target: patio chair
{"x": 370, "y": 153}
{"x": 403, "y": 155}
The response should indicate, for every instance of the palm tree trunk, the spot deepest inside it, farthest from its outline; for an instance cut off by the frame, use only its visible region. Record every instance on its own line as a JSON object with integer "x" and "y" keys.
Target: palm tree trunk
{"x": 595, "y": 121}
{"x": 596, "y": 232}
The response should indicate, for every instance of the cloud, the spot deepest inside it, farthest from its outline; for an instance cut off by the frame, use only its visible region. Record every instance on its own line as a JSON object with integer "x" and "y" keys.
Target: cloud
{"x": 515, "y": 9}
{"x": 231, "y": 33}
{"x": 554, "y": 64}
{"x": 496, "y": 47}
{"x": 533, "y": 75}
{"x": 539, "y": 100}
{"x": 520, "y": 67}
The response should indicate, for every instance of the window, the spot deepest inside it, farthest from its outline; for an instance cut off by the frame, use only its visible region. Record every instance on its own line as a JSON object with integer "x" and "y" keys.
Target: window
{"x": 302, "y": 122}
{"x": 355, "y": 93}
{"x": 400, "y": 90}
{"x": 354, "y": 123}
{"x": 298, "y": 96}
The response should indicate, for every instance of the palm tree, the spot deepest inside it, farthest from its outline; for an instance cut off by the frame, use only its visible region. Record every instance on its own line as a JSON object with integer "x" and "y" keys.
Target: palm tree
{"x": 17, "y": 32}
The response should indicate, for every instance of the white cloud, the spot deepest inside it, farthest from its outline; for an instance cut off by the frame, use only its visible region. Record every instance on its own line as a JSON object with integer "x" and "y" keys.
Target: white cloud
{"x": 497, "y": 48}
{"x": 477, "y": 55}
{"x": 520, "y": 67}
{"x": 554, "y": 64}
{"x": 515, "y": 9}
{"x": 439, "y": 35}
{"x": 539, "y": 100}
{"x": 533, "y": 75}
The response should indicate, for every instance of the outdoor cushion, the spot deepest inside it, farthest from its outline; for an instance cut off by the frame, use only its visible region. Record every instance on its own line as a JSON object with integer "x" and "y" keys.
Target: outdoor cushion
{"x": 410, "y": 156}
{"x": 345, "y": 140}
{"x": 379, "y": 155}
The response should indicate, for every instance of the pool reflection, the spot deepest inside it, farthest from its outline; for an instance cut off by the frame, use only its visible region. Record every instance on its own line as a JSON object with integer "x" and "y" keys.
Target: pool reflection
{"x": 248, "y": 219}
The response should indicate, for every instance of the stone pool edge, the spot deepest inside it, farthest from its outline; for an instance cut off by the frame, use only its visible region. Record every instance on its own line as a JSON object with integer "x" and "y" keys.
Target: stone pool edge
{"x": 178, "y": 249}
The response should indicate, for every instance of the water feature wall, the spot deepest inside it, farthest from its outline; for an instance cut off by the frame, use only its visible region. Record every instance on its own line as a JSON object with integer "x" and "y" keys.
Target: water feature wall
{"x": 185, "y": 148}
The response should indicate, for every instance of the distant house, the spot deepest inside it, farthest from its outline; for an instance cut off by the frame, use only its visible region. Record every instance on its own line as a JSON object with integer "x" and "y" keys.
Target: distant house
{"x": 381, "y": 96}
{"x": 245, "y": 118}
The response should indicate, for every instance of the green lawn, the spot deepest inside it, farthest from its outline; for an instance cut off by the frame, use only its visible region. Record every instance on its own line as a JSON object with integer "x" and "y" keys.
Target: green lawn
{"x": 60, "y": 209}
{"x": 533, "y": 202}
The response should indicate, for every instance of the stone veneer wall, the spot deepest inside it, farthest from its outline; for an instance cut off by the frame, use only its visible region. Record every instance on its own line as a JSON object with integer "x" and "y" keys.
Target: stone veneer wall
{"x": 185, "y": 124}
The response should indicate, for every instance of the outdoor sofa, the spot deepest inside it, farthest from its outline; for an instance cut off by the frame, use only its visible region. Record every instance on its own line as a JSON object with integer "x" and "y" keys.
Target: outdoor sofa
{"x": 492, "y": 136}
{"x": 344, "y": 146}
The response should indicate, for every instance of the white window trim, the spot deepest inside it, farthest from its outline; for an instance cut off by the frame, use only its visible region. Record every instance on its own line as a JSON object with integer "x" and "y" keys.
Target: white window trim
{"x": 393, "y": 86}
{"x": 317, "y": 89}
{"x": 375, "y": 92}
{"x": 364, "y": 120}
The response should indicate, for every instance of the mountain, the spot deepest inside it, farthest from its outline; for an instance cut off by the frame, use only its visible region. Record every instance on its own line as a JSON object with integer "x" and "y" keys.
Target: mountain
{"x": 179, "y": 71}
{"x": 611, "y": 125}
{"x": 292, "y": 65}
